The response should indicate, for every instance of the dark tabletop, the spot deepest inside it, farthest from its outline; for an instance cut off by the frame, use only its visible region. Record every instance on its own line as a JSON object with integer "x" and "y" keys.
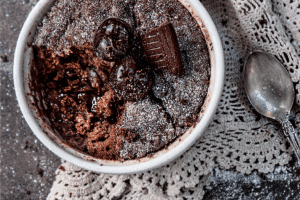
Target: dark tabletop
{"x": 27, "y": 167}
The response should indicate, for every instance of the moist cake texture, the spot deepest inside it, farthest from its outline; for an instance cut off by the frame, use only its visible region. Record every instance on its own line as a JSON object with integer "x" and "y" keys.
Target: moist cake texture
{"x": 113, "y": 102}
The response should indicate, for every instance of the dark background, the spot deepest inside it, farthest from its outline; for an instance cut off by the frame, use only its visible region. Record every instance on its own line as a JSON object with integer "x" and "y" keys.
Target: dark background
{"x": 27, "y": 167}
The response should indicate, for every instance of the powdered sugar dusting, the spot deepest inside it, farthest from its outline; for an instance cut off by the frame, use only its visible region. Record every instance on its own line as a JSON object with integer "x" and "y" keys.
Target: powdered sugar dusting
{"x": 173, "y": 104}
{"x": 75, "y": 22}
{"x": 150, "y": 121}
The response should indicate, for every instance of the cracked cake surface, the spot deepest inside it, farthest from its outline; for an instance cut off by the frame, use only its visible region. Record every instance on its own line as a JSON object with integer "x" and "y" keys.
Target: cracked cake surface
{"x": 116, "y": 105}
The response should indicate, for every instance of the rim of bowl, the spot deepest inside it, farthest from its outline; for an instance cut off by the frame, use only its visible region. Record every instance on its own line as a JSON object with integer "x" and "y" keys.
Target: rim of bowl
{"x": 213, "y": 43}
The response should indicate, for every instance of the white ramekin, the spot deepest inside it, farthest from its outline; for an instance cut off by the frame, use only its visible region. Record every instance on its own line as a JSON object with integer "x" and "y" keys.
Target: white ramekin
{"x": 22, "y": 63}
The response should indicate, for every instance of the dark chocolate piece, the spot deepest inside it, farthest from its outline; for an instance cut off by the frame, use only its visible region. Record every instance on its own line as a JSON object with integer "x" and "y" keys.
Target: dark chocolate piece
{"x": 113, "y": 39}
{"x": 161, "y": 47}
{"x": 129, "y": 82}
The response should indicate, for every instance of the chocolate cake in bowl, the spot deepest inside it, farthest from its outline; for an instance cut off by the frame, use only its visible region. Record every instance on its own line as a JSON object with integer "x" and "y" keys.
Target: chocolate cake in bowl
{"x": 120, "y": 82}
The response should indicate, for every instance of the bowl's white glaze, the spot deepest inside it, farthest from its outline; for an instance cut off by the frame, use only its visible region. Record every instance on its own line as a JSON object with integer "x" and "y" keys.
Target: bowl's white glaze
{"x": 22, "y": 63}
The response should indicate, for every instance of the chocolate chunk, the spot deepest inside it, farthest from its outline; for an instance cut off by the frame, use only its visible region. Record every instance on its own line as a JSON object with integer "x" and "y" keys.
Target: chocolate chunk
{"x": 113, "y": 39}
{"x": 161, "y": 47}
{"x": 103, "y": 106}
{"x": 128, "y": 81}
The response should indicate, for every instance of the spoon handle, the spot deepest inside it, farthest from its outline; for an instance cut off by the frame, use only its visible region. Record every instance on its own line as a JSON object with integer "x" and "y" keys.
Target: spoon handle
{"x": 292, "y": 136}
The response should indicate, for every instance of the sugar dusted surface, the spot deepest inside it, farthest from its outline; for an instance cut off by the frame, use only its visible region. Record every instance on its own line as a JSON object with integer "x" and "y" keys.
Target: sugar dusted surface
{"x": 150, "y": 121}
{"x": 172, "y": 105}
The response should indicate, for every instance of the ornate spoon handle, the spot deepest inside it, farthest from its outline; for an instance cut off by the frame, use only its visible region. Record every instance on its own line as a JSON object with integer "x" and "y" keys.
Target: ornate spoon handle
{"x": 292, "y": 136}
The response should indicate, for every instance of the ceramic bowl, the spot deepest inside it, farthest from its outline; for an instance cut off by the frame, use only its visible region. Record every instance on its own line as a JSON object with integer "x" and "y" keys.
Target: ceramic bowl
{"x": 22, "y": 63}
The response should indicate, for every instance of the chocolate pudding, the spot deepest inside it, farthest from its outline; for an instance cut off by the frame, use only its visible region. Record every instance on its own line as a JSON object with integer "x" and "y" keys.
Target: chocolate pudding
{"x": 119, "y": 80}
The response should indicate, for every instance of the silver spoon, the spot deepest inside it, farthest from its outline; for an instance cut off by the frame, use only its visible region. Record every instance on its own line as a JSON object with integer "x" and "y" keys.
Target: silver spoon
{"x": 271, "y": 92}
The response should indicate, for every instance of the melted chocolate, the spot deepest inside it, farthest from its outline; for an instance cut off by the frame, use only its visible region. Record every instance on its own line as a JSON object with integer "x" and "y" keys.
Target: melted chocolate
{"x": 113, "y": 39}
{"x": 129, "y": 82}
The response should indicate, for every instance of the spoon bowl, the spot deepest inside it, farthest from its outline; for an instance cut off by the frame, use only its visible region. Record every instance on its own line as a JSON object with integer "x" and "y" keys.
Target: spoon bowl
{"x": 268, "y": 85}
{"x": 271, "y": 92}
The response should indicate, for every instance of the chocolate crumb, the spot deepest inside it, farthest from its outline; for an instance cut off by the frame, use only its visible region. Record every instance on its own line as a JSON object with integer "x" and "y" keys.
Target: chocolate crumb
{"x": 26, "y": 145}
{"x": 33, "y": 148}
{"x": 4, "y": 58}
{"x": 62, "y": 168}
{"x": 28, "y": 192}
{"x": 39, "y": 170}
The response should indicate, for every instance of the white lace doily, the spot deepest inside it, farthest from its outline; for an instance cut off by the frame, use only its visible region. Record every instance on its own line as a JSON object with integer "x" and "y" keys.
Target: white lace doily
{"x": 238, "y": 137}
